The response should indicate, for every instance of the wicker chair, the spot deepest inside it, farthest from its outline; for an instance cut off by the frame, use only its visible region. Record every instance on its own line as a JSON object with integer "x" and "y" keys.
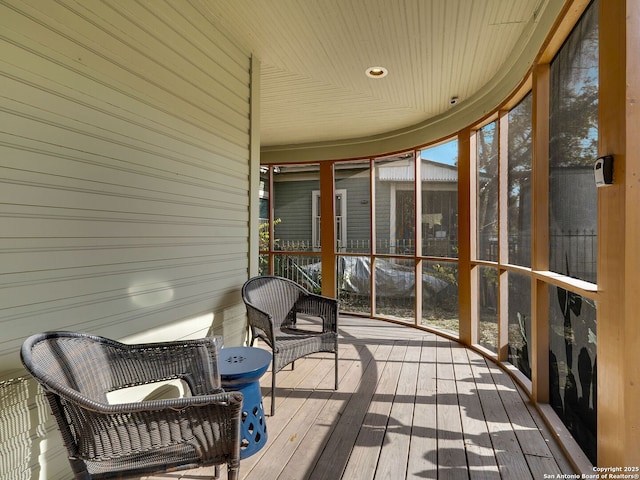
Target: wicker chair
{"x": 106, "y": 440}
{"x": 273, "y": 304}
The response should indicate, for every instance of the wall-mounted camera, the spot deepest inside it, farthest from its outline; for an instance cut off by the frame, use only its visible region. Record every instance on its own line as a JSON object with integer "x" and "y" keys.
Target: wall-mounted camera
{"x": 603, "y": 170}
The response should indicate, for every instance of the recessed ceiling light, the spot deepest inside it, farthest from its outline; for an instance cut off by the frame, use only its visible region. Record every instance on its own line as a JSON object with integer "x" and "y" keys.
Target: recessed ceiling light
{"x": 376, "y": 72}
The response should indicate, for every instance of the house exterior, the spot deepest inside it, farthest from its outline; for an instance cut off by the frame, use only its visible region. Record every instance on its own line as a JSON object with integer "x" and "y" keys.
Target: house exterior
{"x": 124, "y": 190}
{"x": 296, "y": 198}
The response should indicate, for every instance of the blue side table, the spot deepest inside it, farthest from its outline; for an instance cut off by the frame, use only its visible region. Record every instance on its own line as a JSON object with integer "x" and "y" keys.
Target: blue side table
{"x": 240, "y": 370}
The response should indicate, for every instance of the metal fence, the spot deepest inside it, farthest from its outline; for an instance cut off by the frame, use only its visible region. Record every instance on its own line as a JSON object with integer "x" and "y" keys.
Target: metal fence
{"x": 432, "y": 247}
{"x": 572, "y": 252}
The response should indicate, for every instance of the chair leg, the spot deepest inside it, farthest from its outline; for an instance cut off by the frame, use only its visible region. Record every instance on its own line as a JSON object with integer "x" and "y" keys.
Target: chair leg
{"x": 216, "y": 471}
{"x": 293, "y": 365}
{"x": 232, "y": 473}
{"x": 273, "y": 392}
{"x": 336, "y": 369}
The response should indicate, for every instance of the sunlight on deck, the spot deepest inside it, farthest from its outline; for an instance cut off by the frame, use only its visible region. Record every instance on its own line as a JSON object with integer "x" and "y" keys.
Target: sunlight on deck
{"x": 411, "y": 404}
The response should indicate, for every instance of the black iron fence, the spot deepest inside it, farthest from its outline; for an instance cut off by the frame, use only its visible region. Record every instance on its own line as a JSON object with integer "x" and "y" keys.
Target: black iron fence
{"x": 437, "y": 247}
{"x": 572, "y": 252}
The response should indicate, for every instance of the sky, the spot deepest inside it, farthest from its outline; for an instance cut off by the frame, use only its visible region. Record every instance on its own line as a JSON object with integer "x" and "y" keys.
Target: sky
{"x": 444, "y": 153}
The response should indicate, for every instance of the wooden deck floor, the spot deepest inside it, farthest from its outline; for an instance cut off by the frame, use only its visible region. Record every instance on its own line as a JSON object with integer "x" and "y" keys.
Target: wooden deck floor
{"x": 410, "y": 405}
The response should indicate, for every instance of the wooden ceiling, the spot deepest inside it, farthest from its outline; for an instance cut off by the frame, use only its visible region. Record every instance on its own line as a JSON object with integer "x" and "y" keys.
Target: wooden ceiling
{"x": 314, "y": 54}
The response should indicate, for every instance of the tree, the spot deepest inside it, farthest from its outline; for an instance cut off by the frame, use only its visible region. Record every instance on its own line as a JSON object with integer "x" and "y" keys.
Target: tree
{"x": 487, "y": 201}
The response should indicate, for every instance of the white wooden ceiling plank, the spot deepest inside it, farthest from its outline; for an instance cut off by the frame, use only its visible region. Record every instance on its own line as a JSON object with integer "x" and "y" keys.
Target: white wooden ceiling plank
{"x": 314, "y": 53}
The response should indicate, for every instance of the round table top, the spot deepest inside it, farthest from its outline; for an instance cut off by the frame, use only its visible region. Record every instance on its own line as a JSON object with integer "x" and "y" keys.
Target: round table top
{"x": 243, "y": 362}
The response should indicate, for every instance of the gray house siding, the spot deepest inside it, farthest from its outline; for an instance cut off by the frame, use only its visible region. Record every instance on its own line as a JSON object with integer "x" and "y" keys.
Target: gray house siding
{"x": 358, "y": 211}
{"x": 292, "y": 205}
{"x": 383, "y": 210}
{"x": 293, "y": 199}
{"x": 124, "y": 189}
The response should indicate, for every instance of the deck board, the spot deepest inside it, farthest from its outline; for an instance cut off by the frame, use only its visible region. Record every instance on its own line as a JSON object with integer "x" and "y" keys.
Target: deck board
{"x": 423, "y": 451}
{"x": 452, "y": 462}
{"x": 411, "y": 405}
{"x": 480, "y": 456}
{"x": 366, "y": 450}
{"x": 395, "y": 446}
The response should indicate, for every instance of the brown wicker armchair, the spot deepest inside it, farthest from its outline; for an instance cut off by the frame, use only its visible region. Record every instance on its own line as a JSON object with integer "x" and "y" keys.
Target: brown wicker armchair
{"x": 273, "y": 304}
{"x": 106, "y": 440}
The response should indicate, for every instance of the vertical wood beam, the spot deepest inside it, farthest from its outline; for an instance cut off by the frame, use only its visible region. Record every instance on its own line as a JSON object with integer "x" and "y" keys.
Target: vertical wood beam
{"x": 503, "y": 186}
{"x": 618, "y": 233}
{"x": 540, "y": 235}
{"x": 474, "y": 324}
{"x": 327, "y": 229}
{"x": 466, "y": 222}
{"x": 503, "y": 235}
{"x": 418, "y": 236}
{"x": 631, "y": 170}
{"x": 373, "y": 237}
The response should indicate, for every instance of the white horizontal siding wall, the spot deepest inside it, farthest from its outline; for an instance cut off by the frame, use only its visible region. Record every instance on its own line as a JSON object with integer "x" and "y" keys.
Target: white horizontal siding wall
{"x": 124, "y": 188}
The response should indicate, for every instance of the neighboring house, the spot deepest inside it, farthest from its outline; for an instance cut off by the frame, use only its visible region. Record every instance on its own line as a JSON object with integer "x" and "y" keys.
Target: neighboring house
{"x": 296, "y": 203}
{"x": 572, "y": 238}
{"x": 439, "y": 205}
{"x": 297, "y": 200}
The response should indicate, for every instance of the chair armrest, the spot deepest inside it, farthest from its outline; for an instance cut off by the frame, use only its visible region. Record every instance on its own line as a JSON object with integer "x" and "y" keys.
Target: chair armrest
{"x": 324, "y": 307}
{"x": 110, "y": 431}
{"x": 261, "y": 320}
{"x": 194, "y": 361}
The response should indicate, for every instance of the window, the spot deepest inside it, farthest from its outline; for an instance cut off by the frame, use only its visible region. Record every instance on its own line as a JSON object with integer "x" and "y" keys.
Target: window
{"x": 519, "y": 323}
{"x": 295, "y": 257}
{"x": 354, "y": 177}
{"x": 439, "y": 184}
{"x": 395, "y": 204}
{"x": 572, "y": 229}
{"x": 519, "y": 183}
{"x": 439, "y": 236}
{"x": 293, "y": 187}
{"x": 573, "y": 366}
{"x": 487, "y": 199}
{"x": 488, "y": 307}
{"x": 572, "y": 151}
{"x": 519, "y": 163}
{"x": 340, "y": 218}
{"x": 440, "y": 296}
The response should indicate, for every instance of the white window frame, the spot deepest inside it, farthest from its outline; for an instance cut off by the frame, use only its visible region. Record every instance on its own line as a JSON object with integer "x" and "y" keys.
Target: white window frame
{"x": 340, "y": 220}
